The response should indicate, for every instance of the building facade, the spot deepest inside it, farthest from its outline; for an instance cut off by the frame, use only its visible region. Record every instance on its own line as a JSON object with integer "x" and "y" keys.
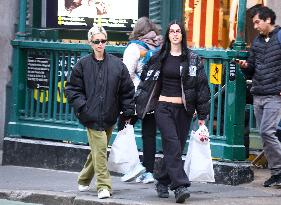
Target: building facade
{"x": 8, "y": 24}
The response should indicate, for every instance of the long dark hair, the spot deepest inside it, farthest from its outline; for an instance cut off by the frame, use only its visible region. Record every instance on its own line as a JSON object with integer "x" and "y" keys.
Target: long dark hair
{"x": 166, "y": 47}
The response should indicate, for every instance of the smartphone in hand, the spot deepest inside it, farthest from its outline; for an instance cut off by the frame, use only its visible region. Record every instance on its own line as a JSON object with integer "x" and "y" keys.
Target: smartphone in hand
{"x": 241, "y": 63}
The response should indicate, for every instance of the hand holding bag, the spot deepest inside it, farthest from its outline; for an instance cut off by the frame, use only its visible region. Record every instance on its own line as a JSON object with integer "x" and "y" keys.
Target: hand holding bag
{"x": 124, "y": 154}
{"x": 198, "y": 164}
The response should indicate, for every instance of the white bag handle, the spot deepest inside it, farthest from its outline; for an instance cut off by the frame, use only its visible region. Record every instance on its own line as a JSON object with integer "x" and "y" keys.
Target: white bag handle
{"x": 124, "y": 152}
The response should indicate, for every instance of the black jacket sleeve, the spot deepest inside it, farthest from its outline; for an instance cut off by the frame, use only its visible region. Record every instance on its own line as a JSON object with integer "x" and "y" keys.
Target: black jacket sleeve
{"x": 126, "y": 93}
{"x": 75, "y": 91}
{"x": 202, "y": 93}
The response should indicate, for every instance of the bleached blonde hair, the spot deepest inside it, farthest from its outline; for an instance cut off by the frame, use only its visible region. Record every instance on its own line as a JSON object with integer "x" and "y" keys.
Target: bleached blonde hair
{"x": 96, "y": 30}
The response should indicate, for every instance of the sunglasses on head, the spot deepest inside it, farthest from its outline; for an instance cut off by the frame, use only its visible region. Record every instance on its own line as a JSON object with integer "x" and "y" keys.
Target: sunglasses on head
{"x": 99, "y": 41}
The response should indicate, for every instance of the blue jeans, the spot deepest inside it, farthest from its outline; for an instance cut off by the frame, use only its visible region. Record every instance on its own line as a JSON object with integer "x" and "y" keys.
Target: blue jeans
{"x": 268, "y": 113}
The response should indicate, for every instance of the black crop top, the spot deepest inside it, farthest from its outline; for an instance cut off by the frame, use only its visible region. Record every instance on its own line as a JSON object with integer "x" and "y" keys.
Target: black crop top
{"x": 171, "y": 80}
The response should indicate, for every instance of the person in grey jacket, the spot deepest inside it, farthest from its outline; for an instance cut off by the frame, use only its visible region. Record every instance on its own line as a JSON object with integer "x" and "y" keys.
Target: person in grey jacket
{"x": 174, "y": 85}
{"x": 98, "y": 88}
{"x": 264, "y": 67}
{"x": 144, "y": 38}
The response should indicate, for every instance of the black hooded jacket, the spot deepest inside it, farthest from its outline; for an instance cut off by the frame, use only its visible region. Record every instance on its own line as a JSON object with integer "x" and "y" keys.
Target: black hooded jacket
{"x": 195, "y": 89}
{"x": 99, "y": 91}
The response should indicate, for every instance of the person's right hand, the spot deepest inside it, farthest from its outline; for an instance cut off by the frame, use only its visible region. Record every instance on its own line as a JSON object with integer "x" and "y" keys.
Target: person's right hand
{"x": 128, "y": 121}
{"x": 242, "y": 63}
{"x": 201, "y": 122}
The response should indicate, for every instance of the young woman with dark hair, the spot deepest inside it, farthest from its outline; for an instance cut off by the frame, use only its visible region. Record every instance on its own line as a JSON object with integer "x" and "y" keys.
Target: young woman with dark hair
{"x": 174, "y": 85}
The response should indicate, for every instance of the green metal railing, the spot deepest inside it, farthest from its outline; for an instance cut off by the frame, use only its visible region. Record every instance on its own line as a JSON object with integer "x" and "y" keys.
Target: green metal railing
{"x": 45, "y": 113}
{"x": 226, "y": 120}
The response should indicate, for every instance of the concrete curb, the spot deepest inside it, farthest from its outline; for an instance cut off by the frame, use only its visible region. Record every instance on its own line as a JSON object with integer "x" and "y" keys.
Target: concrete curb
{"x": 53, "y": 187}
{"x": 60, "y": 198}
{"x": 70, "y": 157}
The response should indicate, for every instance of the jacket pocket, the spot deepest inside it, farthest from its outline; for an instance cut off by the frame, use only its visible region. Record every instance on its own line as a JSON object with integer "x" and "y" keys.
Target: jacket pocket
{"x": 190, "y": 95}
{"x": 84, "y": 115}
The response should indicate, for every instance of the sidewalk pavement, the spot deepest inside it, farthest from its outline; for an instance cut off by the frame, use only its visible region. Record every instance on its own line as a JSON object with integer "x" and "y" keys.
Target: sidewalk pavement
{"x": 53, "y": 187}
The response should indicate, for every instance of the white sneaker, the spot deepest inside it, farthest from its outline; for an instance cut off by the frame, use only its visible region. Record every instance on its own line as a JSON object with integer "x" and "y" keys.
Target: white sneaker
{"x": 147, "y": 178}
{"x": 133, "y": 173}
{"x": 140, "y": 178}
{"x": 83, "y": 188}
{"x": 103, "y": 194}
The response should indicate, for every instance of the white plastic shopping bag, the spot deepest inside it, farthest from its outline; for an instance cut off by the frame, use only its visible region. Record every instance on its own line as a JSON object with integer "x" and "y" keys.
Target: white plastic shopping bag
{"x": 124, "y": 154}
{"x": 198, "y": 164}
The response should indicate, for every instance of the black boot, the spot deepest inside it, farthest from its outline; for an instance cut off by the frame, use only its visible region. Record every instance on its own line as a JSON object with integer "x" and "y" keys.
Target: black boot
{"x": 181, "y": 194}
{"x": 162, "y": 190}
{"x": 274, "y": 180}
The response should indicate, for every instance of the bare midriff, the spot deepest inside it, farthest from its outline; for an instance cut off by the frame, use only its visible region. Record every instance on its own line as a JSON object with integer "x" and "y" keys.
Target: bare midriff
{"x": 176, "y": 100}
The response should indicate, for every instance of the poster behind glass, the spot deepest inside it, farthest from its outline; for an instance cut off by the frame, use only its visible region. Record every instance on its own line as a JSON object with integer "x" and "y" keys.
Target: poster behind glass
{"x": 118, "y": 15}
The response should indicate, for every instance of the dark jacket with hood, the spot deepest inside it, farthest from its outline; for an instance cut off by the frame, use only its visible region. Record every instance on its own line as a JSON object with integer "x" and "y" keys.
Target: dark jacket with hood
{"x": 194, "y": 83}
{"x": 265, "y": 65}
{"x": 99, "y": 91}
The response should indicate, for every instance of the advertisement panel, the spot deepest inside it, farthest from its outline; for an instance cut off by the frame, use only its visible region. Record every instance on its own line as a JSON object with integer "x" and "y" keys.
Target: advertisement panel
{"x": 113, "y": 15}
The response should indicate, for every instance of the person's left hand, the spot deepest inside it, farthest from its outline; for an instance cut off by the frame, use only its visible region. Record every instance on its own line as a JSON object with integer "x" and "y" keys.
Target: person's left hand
{"x": 201, "y": 122}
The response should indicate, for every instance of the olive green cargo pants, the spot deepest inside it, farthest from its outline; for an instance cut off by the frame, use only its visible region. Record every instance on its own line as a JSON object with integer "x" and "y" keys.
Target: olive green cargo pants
{"x": 96, "y": 164}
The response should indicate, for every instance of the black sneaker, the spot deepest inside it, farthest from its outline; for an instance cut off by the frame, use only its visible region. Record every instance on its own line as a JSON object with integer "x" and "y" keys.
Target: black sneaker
{"x": 181, "y": 194}
{"x": 273, "y": 180}
{"x": 162, "y": 190}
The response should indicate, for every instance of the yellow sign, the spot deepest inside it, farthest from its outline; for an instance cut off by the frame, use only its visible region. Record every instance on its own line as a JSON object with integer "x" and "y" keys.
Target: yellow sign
{"x": 215, "y": 73}
{"x": 59, "y": 92}
{"x": 43, "y": 95}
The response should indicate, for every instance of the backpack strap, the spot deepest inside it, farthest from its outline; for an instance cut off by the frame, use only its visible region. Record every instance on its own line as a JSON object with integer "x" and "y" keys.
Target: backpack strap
{"x": 141, "y": 43}
{"x": 150, "y": 53}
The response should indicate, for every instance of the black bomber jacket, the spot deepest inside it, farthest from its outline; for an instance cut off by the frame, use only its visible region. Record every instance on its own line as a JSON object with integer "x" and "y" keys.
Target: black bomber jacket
{"x": 99, "y": 91}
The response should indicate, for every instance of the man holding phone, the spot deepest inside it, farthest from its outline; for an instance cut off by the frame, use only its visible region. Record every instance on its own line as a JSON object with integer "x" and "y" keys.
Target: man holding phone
{"x": 264, "y": 67}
